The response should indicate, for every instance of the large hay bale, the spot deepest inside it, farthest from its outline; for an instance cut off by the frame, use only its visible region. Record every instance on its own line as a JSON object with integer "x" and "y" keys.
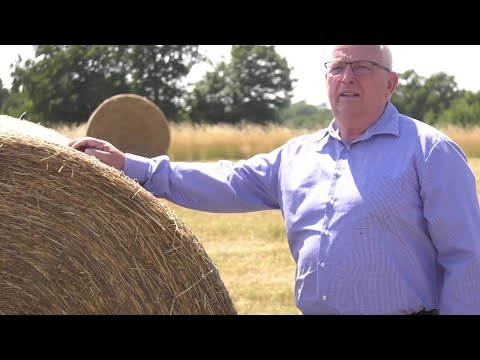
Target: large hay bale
{"x": 9, "y": 124}
{"x": 132, "y": 123}
{"x": 78, "y": 237}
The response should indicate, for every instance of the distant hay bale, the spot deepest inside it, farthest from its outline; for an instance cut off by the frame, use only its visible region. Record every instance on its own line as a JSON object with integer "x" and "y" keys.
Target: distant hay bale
{"x": 132, "y": 123}
{"x": 79, "y": 237}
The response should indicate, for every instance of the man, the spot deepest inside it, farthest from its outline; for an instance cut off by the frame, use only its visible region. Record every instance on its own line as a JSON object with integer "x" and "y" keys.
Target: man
{"x": 381, "y": 210}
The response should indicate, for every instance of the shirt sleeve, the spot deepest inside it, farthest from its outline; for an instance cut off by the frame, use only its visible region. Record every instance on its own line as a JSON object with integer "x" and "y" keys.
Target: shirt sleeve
{"x": 451, "y": 209}
{"x": 223, "y": 186}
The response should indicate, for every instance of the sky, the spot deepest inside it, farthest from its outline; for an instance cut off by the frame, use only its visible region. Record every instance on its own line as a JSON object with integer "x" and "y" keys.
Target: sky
{"x": 460, "y": 61}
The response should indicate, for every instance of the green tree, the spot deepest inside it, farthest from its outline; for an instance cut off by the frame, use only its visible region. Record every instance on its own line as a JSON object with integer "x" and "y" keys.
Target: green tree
{"x": 16, "y": 104}
{"x": 410, "y": 95}
{"x": 464, "y": 111}
{"x": 4, "y": 93}
{"x": 303, "y": 115}
{"x": 442, "y": 90}
{"x": 65, "y": 83}
{"x": 254, "y": 86}
{"x": 158, "y": 73}
{"x": 212, "y": 97}
{"x": 424, "y": 99}
{"x": 262, "y": 83}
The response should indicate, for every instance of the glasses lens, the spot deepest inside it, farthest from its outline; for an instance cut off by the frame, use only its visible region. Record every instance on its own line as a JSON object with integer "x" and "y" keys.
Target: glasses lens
{"x": 361, "y": 68}
{"x": 336, "y": 68}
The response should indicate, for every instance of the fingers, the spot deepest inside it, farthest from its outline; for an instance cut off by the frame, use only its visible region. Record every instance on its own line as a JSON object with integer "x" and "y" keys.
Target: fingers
{"x": 115, "y": 159}
{"x": 100, "y": 155}
{"x": 87, "y": 142}
{"x": 101, "y": 149}
{"x": 91, "y": 151}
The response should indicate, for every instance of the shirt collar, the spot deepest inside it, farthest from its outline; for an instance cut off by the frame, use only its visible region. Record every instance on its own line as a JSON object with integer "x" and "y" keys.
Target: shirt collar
{"x": 387, "y": 123}
{"x": 319, "y": 135}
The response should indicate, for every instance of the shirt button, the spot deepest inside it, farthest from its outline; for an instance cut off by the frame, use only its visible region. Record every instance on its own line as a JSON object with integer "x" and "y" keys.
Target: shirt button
{"x": 347, "y": 147}
{"x": 322, "y": 264}
{"x": 326, "y": 232}
{"x": 324, "y": 297}
{"x": 332, "y": 201}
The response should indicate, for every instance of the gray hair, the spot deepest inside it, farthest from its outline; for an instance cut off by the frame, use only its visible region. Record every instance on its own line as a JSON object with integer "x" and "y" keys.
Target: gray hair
{"x": 386, "y": 52}
{"x": 387, "y": 56}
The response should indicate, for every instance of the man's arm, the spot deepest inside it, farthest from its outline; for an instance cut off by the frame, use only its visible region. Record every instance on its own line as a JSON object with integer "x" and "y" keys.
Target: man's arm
{"x": 451, "y": 209}
{"x": 223, "y": 186}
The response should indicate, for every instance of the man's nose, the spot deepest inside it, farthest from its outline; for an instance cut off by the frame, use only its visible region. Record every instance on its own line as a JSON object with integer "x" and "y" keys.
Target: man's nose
{"x": 348, "y": 74}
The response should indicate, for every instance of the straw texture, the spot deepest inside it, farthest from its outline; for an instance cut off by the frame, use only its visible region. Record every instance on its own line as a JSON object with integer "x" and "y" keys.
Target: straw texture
{"x": 132, "y": 123}
{"x": 26, "y": 128}
{"x": 78, "y": 237}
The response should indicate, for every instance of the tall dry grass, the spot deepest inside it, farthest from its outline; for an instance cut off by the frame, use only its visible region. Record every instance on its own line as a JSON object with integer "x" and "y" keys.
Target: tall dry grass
{"x": 196, "y": 143}
{"x": 71, "y": 131}
{"x": 214, "y": 142}
{"x": 467, "y": 138}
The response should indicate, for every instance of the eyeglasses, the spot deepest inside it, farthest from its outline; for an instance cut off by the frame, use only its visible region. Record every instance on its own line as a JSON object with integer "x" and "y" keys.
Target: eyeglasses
{"x": 359, "y": 68}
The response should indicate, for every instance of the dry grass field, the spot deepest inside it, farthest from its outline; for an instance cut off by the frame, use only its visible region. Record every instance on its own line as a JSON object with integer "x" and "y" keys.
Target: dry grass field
{"x": 250, "y": 250}
{"x": 214, "y": 142}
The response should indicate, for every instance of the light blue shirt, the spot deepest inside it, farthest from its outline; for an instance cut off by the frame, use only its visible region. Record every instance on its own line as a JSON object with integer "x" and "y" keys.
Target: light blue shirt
{"x": 389, "y": 224}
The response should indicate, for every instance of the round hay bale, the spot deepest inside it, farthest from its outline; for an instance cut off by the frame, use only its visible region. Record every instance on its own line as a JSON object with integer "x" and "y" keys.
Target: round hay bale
{"x": 79, "y": 237}
{"x": 24, "y": 128}
{"x": 132, "y": 123}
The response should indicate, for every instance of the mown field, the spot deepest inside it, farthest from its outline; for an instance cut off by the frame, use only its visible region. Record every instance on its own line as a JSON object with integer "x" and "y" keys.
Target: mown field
{"x": 250, "y": 250}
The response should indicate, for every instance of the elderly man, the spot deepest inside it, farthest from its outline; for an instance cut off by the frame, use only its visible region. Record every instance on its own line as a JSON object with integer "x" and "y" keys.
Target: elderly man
{"x": 380, "y": 209}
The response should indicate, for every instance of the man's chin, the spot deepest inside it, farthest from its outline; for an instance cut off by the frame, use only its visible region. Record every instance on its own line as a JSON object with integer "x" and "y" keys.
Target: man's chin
{"x": 350, "y": 110}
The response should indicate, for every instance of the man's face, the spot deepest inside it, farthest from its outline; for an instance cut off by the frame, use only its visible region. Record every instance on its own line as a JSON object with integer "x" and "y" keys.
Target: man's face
{"x": 365, "y": 93}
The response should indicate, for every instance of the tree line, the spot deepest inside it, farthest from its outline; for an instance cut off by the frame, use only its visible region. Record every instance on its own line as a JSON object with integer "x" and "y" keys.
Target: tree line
{"x": 65, "y": 83}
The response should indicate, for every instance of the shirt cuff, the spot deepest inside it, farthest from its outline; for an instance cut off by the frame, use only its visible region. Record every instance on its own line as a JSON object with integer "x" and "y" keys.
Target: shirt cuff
{"x": 136, "y": 167}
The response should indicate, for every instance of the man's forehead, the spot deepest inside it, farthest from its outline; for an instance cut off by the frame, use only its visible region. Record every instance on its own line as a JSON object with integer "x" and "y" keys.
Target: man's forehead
{"x": 356, "y": 52}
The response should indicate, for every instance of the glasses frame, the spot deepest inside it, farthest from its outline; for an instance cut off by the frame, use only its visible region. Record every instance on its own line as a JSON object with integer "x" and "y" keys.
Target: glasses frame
{"x": 353, "y": 62}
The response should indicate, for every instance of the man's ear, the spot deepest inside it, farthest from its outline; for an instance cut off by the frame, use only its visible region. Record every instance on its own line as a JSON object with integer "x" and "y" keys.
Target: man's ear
{"x": 392, "y": 83}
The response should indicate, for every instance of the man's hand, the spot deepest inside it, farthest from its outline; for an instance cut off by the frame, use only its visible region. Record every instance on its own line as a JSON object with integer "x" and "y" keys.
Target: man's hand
{"x": 102, "y": 150}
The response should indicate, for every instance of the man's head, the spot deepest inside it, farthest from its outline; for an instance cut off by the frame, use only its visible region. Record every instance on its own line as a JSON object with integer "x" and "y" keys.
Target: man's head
{"x": 360, "y": 81}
